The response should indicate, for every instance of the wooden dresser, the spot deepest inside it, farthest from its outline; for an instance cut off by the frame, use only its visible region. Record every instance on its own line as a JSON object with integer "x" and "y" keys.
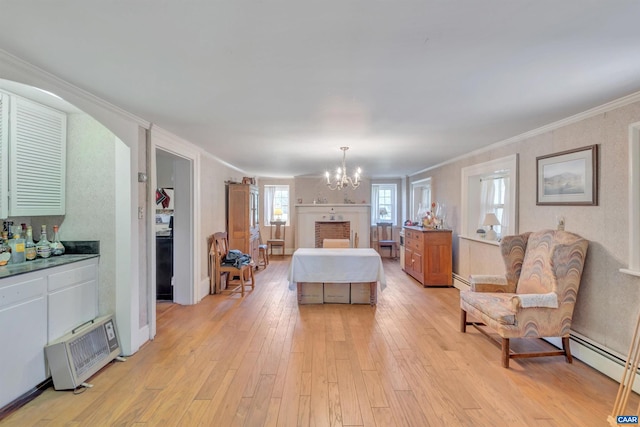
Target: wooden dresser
{"x": 428, "y": 256}
{"x": 242, "y": 218}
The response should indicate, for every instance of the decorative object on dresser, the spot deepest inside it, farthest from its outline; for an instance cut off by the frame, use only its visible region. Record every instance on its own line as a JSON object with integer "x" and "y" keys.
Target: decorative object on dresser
{"x": 385, "y": 238}
{"x": 243, "y": 223}
{"x": 276, "y": 237}
{"x": 428, "y": 256}
{"x": 536, "y": 296}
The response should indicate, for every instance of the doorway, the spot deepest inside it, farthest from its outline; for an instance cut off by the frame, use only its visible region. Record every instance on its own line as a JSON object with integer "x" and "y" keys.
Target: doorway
{"x": 173, "y": 228}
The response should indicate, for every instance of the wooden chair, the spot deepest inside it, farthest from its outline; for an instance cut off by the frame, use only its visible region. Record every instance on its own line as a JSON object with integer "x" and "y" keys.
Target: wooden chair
{"x": 277, "y": 235}
{"x": 263, "y": 256}
{"x": 537, "y": 295}
{"x": 335, "y": 243}
{"x": 237, "y": 277}
{"x": 385, "y": 238}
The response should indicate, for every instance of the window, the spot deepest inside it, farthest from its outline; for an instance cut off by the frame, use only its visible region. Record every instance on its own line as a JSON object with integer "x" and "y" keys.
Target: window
{"x": 383, "y": 203}
{"x": 492, "y": 200}
{"x": 490, "y": 187}
{"x": 634, "y": 200}
{"x": 276, "y": 203}
{"x": 420, "y": 198}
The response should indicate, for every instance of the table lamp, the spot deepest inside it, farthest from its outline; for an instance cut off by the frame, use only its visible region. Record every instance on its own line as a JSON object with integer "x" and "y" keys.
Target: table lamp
{"x": 278, "y": 213}
{"x": 491, "y": 219}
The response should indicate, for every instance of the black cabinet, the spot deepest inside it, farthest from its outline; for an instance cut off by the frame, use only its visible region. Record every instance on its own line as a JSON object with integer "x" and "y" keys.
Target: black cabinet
{"x": 164, "y": 268}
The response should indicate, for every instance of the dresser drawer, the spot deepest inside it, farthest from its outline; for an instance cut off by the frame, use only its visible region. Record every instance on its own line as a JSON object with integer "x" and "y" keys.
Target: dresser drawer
{"x": 414, "y": 244}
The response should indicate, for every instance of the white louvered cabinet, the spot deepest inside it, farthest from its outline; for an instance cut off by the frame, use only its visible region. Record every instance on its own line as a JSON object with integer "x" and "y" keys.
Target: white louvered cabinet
{"x": 32, "y": 158}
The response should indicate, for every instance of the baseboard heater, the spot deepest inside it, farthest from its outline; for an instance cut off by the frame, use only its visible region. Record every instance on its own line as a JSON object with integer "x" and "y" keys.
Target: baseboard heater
{"x": 81, "y": 353}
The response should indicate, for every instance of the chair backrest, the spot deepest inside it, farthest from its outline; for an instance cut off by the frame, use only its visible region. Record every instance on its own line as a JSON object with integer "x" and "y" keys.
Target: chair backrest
{"x": 545, "y": 261}
{"x": 385, "y": 231}
{"x": 277, "y": 230}
{"x": 219, "y": 247}
{"x": 335, "y": 243}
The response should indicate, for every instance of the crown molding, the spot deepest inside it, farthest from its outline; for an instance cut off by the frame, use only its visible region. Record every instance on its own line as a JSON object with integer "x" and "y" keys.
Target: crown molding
{"x": 604, "y": 108}
{"x": 36, "y": 73}
{"x": 163, "y": 133}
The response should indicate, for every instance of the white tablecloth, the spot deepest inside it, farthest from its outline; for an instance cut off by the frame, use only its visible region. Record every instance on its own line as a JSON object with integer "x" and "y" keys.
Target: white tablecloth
{"x": 337, "y": 265}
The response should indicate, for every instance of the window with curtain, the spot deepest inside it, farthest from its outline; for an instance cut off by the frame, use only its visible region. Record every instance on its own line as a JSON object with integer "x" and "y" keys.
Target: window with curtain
{"x": 490, "y": 187}
{"x": 383, "y": 203}
{"x": 493, "y": 197}
{"x": 276, "y": 204}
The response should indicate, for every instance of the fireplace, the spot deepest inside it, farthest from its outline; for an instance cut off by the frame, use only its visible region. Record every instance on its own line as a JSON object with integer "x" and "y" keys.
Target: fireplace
{"x": 331, "y": 230}
{"x": 343, "y": 222}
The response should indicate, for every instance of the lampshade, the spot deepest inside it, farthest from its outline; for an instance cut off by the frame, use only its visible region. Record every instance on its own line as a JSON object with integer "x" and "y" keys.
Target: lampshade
{"x": 277, "y": 211}
{"x": 491, "y": 219}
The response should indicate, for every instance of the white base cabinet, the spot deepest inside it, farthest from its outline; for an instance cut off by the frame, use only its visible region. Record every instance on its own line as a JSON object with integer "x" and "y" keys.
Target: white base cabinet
{"x": 36, "y": 308}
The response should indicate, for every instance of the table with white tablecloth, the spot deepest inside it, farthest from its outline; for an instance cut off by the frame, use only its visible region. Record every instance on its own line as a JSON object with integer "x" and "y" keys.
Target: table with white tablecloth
{"x": 338, "y": 265}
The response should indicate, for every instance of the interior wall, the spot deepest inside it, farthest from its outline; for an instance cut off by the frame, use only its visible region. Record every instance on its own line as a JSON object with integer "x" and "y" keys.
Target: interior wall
{"x": 309, "y": 189}
{"x": 143, "y": 188}
{"x": 213, "y": 175}
{"x": 90, "y": 210}
{"x": 164, "y": 170}
{"x": 603, "y": 311}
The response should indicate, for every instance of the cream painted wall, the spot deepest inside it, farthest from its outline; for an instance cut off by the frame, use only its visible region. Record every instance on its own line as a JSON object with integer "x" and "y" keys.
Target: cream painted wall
{"x": 90, "y": 208}
{"x": 607, "y": 302}
{"x": 315, "y": 188}
{"x": 213, "y": 175}
{"x": 143, "y": 188}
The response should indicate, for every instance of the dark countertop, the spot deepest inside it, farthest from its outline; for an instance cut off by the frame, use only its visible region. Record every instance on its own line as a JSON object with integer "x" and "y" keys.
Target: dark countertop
{"x": 41, "y": 264}
{"x": 75, "y": 251}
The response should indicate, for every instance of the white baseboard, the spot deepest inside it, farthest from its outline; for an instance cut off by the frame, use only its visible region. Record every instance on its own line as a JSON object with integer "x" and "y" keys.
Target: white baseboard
{"x": 460, "y": 283}
{"x": 142, "y": 336}
{"x": 587, "y": 351}
{"x": 204, "y": 288}
{"x": 598, "y": 357}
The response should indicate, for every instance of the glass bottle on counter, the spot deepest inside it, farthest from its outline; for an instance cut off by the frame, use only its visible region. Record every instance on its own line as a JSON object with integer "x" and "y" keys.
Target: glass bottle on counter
{"x": 5, "y": 249}
{"x": 17, "y": 248}
{"x": 30, "y": 252}
{"x": 8, "y": 227}
{"x": 57, "y": 248}
{"x": 43, "y": 247}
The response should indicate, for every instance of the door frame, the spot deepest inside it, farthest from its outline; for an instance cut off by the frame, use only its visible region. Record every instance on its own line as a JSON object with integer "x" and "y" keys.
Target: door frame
{"x": 186, "y": 219}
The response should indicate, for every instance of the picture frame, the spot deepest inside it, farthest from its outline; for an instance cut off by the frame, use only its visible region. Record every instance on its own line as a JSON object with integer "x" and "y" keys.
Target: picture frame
{"x": 568, "y": 177}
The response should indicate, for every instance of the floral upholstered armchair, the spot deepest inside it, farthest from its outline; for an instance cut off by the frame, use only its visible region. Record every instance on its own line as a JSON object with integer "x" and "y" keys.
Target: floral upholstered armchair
{"x": 537, "y": 295}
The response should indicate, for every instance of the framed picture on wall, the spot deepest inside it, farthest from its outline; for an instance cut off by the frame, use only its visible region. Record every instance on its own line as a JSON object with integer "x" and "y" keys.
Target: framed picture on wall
{"x": 568, "y": 178}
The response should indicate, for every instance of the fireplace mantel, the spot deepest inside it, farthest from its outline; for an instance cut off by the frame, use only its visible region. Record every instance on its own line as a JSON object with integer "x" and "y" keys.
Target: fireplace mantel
{"x": 358, "y": 215}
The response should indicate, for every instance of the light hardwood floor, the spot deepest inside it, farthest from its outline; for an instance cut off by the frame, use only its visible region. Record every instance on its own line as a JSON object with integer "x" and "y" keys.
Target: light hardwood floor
{"x": 264, "y": 360}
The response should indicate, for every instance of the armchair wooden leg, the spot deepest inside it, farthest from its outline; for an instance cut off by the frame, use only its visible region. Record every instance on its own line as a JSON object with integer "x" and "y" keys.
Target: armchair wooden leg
{"x": 505, "y": 352}
{"x": 463, "y": 321}
{"x": 567, "y": 349}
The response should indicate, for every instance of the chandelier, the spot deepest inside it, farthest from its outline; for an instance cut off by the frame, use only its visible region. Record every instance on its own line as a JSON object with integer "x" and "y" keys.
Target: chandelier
{"x": 342, "y": 180}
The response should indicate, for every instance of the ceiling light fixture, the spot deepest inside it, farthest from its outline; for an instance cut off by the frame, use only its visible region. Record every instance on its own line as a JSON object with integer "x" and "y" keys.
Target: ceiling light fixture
{"x": 342, "y": 180}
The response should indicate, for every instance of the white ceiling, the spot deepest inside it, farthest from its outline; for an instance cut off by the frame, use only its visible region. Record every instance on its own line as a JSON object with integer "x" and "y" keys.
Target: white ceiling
{"x": 276, "y": 87}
